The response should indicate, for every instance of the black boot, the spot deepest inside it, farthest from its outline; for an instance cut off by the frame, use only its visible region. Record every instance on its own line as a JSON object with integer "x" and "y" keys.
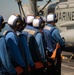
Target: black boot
{"x": 45, "y": 63}
{"x": 33, "y": 67}
{"x": 25, "y": 69}
{"x": 13, "y": 74}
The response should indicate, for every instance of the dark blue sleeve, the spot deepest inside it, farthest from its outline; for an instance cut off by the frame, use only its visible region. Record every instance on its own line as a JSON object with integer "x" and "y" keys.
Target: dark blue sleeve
{"x": 25, "y": 48}
{"x": 4, "y": 57}
{"x": 39, "y": 40}
{"x": 57, "y": 37}
{"x": 12, "y": 43}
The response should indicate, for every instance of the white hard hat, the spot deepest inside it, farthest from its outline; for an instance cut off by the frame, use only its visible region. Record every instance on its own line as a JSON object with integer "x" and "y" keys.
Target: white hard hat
{"x": 36, "y": 23}
{"x": 29, "y": 19}
{"x": 51, "y": 18}
{"x": 13, "y": 20}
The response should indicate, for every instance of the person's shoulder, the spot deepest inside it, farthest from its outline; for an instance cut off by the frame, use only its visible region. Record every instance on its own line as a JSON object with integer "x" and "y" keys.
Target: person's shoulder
{"x": 38, "y": 34}
{"x": 2, "y": 36}
{"x": 55, "y": 30}
{"x": 10, "y": 34}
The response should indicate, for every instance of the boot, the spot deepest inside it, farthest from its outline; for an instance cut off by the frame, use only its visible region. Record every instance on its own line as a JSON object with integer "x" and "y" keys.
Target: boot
{"x": 45, "y": 63}
{"x": 33, "y": 67}
{"x": 25, "y": 69}
{"x": 14, "y": 74}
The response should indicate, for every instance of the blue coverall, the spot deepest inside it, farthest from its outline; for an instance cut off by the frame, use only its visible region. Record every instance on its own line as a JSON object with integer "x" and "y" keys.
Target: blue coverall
{"x": 52, "y": 36}
{"x": 38, "y": 38}
{"x": 13, "y": 49}
{"x": 25, "y": 50}
{"x": 5, "y": 58}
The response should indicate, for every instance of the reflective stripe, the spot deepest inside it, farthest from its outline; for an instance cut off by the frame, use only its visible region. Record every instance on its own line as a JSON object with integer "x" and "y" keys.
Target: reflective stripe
{"x": 32, "y": 32}
{"x": 47, "y": 27}
{"x": 4, "y": 33}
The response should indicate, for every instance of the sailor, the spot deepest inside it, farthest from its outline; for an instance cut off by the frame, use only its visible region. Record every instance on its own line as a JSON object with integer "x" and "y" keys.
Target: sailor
{"x": 3, "y": 53}
{"x": 30, "y": 39}
{"x": 40, "y": 28}
{"x": 52, "y": 36}
{"x": 38, "y": 24}
{"x": 15, "y": 21}
{"x": 24, "y": 47}
{"x": 37, "y": 52}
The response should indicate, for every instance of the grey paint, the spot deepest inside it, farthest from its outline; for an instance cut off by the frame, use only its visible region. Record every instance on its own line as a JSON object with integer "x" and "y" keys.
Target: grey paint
{"x": 64, "y": 10}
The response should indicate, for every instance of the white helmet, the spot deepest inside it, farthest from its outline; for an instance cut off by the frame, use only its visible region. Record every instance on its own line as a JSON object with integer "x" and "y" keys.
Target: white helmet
{"x": 51, "y": 18}
{"x": 29, "y": 19}
{"x": 38, "y": 22}
{"x": 13, "y": 19}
